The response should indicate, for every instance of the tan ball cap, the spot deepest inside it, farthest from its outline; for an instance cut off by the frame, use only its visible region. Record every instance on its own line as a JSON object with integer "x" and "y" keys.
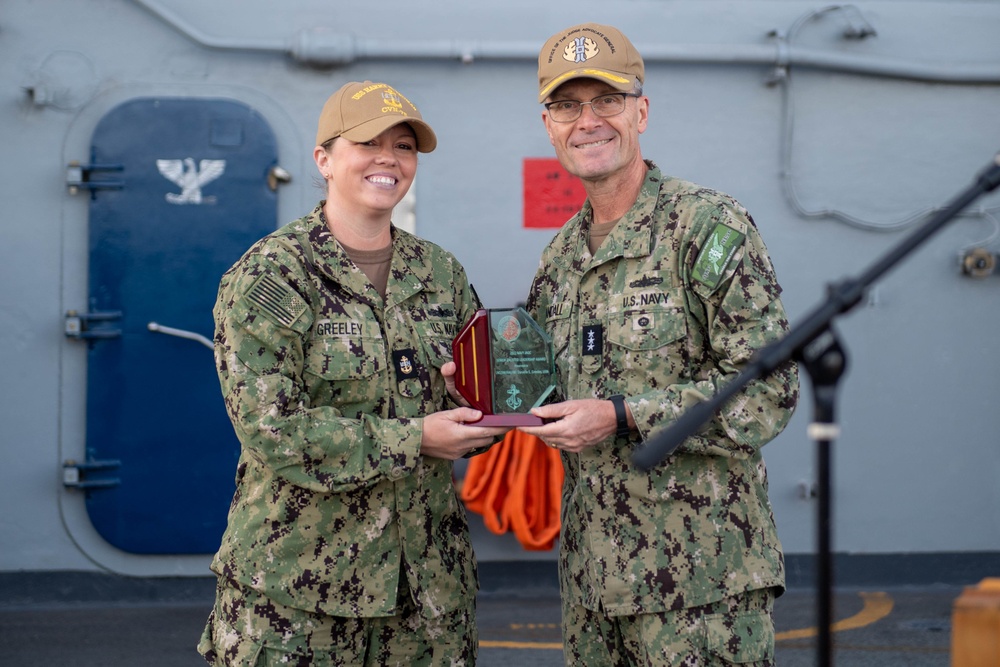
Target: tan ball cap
{"x": 590, "y": 51}
{"x": 360, "y": 111}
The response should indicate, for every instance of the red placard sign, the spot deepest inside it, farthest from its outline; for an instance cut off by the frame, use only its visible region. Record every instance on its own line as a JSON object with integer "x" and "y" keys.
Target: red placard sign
{"x": 551, "y": 194}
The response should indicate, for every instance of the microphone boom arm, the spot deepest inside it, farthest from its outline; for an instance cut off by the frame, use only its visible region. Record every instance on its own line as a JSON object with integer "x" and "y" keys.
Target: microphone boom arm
{"x": 841, "y": 297}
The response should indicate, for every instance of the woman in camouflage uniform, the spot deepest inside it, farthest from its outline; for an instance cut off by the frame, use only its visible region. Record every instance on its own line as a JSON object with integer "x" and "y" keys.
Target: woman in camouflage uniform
{"x": 346, "y": 542}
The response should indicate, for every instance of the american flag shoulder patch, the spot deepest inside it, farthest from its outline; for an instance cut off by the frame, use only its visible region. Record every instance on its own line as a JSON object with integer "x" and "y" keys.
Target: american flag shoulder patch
{"x": 275, "y": 298}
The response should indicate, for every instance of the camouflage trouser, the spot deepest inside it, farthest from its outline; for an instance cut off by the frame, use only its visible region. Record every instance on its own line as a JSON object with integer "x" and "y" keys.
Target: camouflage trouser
{"x": 247, "y": 629}
{"x": 734, "y": 631}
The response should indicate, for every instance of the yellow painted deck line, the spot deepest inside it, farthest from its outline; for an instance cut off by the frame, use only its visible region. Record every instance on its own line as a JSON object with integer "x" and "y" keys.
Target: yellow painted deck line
{"x": 545, "y": 645}
{"x": 877, "y": 606}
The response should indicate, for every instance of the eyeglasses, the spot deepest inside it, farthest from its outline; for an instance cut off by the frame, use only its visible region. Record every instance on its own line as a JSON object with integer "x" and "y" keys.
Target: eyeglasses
{"x": 609, "y": 104}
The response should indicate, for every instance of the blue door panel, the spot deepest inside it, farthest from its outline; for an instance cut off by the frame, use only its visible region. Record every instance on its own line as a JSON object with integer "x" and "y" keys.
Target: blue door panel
{"x": 195, "y": 196}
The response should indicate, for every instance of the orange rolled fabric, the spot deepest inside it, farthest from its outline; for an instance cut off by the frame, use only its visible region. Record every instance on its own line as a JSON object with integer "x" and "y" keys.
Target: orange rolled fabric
{"x": 517, "y": 485}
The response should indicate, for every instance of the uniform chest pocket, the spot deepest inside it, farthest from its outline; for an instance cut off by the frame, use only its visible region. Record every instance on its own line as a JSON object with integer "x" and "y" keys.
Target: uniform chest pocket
{"x": 648, "y": 348}
{"x": 647, "y": 329}
{"x": 559, "y": 328}
{"x": 437, "y": 350}
{"x": 343, "y": 371}
{"x": 345, "y": 358}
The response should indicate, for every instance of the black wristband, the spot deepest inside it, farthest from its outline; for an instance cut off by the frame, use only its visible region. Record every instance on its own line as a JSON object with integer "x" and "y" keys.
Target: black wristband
{"x": 619, "y": 402}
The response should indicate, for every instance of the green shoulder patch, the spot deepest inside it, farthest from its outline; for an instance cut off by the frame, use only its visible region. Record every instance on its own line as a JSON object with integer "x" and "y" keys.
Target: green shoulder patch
{"x": 716, "y": 254}
{"x": 276, "y": 299}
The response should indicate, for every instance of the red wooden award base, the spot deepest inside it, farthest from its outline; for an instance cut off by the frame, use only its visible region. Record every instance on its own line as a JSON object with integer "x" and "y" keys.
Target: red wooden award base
{"x": 509, "y": 419}
{"x": 472, "y": 351}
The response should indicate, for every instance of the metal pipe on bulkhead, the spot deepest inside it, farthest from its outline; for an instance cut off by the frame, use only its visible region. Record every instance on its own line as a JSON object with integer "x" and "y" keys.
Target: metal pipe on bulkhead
{"x": 326, "y": 47}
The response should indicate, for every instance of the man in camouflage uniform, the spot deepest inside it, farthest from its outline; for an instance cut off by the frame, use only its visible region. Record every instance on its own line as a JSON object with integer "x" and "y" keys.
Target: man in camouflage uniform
{"x": 655, "y": 294}
{"x": 346, "y": 542}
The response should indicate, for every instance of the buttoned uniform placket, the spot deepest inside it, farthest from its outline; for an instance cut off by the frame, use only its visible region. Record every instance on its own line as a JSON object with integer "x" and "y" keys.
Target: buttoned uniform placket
{"x": 413, "y": 321}
{"x": 598, "y": 278}
{"x": 398, "y": 292}
{"x": 389, "y": 315}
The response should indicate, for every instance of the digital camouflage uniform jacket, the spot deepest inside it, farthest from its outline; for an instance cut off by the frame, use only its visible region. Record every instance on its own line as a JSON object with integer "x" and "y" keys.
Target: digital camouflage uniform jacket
{"x": 678, "y": 297}
{"x": 326, "y": 385}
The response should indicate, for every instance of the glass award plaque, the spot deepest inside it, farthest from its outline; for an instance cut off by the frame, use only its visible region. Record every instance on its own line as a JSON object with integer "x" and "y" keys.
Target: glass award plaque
{"x": 506, "y": 366}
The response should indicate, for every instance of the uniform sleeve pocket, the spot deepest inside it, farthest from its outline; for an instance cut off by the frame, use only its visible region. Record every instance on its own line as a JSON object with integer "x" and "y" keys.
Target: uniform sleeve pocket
{"x": 742, "y": 638}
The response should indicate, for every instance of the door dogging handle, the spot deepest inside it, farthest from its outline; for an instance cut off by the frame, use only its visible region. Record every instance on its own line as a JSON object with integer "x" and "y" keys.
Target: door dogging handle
{"x": 77, "y": 325}
{"x": 180, "y": 333}
{"x": 73, "y": 474}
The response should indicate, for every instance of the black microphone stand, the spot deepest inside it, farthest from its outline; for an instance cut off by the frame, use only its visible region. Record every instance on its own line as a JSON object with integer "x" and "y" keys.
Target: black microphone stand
{"x": 813, "y": 342}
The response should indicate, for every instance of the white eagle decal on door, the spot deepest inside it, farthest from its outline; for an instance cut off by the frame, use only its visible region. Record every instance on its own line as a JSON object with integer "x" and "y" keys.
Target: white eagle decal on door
{"x": 190, "y": 178}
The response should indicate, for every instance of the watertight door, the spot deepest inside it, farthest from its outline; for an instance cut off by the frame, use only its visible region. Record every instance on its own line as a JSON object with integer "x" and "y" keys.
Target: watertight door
{"x": 193, "y": 195}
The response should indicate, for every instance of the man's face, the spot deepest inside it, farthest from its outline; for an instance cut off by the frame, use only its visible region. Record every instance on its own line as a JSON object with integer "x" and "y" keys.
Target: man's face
{"x": 591, "y": 147}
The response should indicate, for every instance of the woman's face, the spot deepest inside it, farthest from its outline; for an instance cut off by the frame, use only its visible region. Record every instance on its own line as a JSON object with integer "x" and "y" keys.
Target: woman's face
{"x": 371, "y": 177}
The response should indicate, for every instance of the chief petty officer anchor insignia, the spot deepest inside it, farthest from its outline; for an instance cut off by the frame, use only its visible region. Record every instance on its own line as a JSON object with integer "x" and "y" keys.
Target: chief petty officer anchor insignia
{"x": 405, "y": 366}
